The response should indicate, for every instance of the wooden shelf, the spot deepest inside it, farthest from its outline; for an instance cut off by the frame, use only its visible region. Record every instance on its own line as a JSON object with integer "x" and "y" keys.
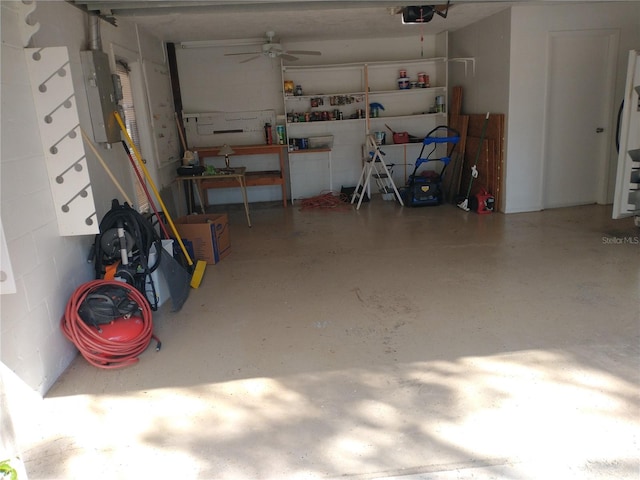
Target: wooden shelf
{"x": 310, "y": 150}
{"x": 406, "y": 91}
{"x": 415, "y": 115}
{"x": 321, "y": 122}
{"x": 308, "y": 96}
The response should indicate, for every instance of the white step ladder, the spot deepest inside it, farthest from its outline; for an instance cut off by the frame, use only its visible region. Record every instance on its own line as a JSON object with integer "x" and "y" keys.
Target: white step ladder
{"x": 375, "y": 168}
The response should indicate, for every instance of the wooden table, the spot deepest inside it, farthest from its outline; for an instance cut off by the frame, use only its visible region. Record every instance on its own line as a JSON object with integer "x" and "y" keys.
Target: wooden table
{"x": 223, "y": 175}
{"x": 252, "y": 178}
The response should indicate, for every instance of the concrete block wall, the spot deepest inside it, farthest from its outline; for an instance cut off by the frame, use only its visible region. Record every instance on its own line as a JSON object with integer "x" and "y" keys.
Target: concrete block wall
{"x": 48, "y": 267}
{"x": 44, "y": 264}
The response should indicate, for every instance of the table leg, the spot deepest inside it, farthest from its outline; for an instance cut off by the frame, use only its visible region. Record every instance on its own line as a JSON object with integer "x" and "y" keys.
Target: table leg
{"x": 189, "y": 193}
{"x": 283, "y": 185}
{"x": 196, "y": 185}
{"x": 284, "y": 195}
{"x": 243, "y": 189}
{"x": 180, "y": 192}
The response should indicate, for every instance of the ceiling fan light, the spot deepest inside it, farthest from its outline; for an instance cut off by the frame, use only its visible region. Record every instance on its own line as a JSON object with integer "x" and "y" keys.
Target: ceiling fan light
{"x": 272, "y": 49}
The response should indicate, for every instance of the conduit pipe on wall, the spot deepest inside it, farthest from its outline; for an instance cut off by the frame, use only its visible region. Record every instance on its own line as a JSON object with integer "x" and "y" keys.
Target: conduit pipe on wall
{"x": 95, "y": 42}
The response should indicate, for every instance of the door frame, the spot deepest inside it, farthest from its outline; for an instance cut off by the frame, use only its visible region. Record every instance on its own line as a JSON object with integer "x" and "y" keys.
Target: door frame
{"x": 603, "y": 171}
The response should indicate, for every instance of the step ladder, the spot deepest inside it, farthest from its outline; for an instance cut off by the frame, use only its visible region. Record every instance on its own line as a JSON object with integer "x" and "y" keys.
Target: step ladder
{"x": 375, "y": 168}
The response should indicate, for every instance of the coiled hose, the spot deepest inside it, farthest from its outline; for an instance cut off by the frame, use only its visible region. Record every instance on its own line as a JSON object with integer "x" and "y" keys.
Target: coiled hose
{"x": 326, "y": 200}
{"x": 99, "y": 351}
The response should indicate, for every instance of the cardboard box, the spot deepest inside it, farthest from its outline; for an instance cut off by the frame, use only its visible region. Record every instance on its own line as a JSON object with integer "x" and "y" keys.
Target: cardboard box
{"x": 209, "y": 235}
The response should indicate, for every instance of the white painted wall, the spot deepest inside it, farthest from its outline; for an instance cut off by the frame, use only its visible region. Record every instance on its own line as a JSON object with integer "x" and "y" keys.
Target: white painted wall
{"x": 47, "y": 267}
{"x": 211, "y": 81}
{"x": 530, "y": 26}
{"x": 510, "y": 50}
{"x": 487, "y": 90}
{"x": 488, "y": 42}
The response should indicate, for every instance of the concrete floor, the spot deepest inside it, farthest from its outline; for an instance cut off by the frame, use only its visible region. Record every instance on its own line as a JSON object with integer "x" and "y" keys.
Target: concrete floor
{"x": 382, "y": 343}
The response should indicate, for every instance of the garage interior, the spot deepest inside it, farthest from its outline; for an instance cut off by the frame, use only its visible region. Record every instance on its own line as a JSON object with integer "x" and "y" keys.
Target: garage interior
{"x": 379, "y": 342}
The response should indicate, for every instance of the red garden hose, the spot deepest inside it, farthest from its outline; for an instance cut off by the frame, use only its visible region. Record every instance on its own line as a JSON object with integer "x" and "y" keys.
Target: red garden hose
{"x": 98, "y": 350}
{"x": 326, "y": 200}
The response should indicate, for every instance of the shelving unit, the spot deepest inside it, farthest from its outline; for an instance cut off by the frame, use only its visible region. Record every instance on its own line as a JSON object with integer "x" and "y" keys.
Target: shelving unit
{"x": 335, "y": 101}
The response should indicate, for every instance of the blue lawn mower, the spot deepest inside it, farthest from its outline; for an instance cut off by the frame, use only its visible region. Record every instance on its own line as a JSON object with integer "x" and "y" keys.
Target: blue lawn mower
{"x": 425, "y": 188}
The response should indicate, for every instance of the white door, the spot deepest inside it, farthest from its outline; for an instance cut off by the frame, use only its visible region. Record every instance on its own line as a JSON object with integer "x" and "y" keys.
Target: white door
{"x": 578, "y": 132}
{"x": 627, "y": 195}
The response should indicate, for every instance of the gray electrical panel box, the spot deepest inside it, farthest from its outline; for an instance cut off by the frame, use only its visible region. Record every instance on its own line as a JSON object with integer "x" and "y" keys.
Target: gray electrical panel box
{"x": 100, "y": 95}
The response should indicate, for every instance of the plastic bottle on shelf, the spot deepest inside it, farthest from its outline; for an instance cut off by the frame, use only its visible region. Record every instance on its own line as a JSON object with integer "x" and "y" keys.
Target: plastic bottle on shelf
{"x": 268, "y": 133}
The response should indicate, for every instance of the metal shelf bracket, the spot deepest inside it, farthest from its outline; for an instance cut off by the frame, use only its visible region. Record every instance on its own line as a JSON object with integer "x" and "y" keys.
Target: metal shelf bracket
{"x": 466, "y": 61}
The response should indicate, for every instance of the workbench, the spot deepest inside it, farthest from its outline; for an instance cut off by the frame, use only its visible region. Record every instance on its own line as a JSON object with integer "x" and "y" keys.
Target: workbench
{"x": 252, "y": 178}
{"x": 236, "y": 177}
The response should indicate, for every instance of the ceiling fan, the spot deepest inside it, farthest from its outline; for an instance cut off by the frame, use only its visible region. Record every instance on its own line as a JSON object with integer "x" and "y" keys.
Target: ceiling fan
{"x": 273, "y": 49}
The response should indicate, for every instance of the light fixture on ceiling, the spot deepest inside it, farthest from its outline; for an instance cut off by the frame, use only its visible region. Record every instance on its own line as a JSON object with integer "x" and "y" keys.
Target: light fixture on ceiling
{"x": 221, "y": 43}
{"x": 423, "y": 13}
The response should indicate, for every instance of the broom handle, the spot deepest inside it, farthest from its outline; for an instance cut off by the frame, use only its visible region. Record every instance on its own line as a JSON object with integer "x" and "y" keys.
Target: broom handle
{"x": 153, "y": 186}
{"x": 146, "y": 190}
{"x": 106, "y": 168}
{"x": 475, "y": 164}
{"x": 184, "y": 143}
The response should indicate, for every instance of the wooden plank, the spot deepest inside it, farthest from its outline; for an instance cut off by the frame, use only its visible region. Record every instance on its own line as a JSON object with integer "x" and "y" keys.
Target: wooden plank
{"x": 456, "y": 101}
{"x": 495, "y": 132}
{"x": 451, "y": 180}
{"x": 494, "y": 128}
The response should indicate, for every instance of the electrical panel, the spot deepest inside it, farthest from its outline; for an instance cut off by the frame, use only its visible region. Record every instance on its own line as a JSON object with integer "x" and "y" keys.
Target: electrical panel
{"x": 101, "y": 96}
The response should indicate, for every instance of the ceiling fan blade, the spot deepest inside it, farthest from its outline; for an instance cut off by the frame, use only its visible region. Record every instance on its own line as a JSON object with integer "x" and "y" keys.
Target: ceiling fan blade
{"x": 286, "y": 56}
{"x": 250, "y": 58}
{"x": 243, "y": 53}
{"x": 304, "y": 52}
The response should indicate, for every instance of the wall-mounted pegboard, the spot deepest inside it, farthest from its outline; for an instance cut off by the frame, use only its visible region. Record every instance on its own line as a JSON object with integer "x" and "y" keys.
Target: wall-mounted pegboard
{"x": 234, "y": 128}
{"x": 58, "y": 121}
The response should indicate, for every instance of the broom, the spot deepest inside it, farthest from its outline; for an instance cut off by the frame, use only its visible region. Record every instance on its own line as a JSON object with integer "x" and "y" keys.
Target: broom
{"x": 198, "y": 271}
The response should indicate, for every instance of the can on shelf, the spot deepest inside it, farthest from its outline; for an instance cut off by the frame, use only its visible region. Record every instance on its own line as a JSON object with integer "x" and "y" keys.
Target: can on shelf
{"x": 423, "y": 80}
{"x": 281, "y": 135}
{"x": 403, "y": 83}
{"x": 288, "y": 87}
